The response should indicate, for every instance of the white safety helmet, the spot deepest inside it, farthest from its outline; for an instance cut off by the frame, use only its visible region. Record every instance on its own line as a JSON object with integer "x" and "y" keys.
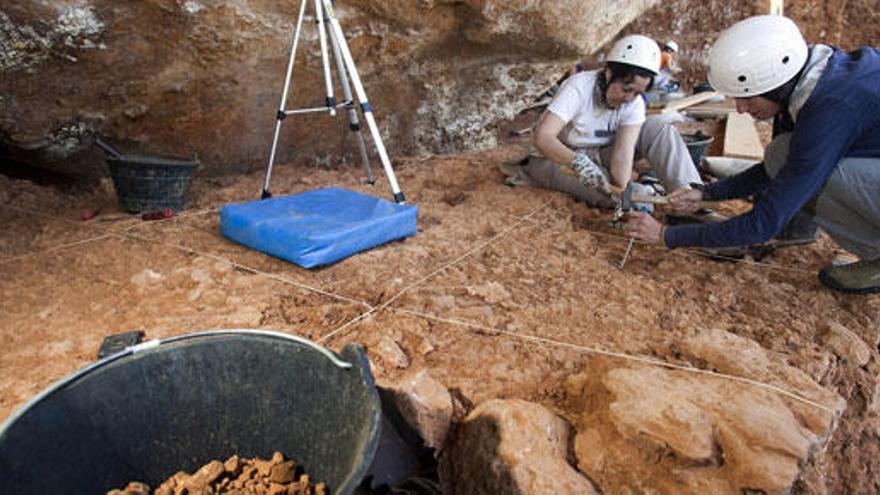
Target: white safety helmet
{"x": 672, "y": 45}
{"x": 636, "y": 50}
{"x": 756, "y": 55}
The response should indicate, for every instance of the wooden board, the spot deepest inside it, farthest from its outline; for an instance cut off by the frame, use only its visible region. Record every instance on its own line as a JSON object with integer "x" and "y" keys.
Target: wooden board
{"x": 773, "y": 7}
{"x": 675, "y": 105}
{"x": 708, "y": 112}
{"x": 741, "y": 138}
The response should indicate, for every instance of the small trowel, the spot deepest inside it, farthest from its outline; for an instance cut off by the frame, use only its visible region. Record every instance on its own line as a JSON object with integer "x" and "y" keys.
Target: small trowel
{"x": 624, "y": 208}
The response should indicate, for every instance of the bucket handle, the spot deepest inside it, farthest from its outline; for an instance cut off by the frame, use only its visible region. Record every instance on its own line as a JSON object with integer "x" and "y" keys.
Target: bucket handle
{"x": 110, "y": 150}
{"x": 329, "y": 355}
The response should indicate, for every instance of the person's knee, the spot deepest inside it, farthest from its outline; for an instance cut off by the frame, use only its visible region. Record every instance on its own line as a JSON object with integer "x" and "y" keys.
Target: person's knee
{"x": 653, "y": 127}
{"x": 776, "y": 154}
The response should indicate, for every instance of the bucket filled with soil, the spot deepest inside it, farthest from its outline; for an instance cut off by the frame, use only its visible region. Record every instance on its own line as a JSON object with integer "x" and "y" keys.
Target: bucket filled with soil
{"x": 178, "y": 404}
{"x": 697, "y": 144}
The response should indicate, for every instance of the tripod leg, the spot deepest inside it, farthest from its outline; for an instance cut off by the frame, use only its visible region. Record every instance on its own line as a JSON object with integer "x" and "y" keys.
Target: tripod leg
{"x": 365, "y": 104}
{"x": 319, "y": 19}
{"x": 354, "y": 122}
{"x": 280, "y": 115}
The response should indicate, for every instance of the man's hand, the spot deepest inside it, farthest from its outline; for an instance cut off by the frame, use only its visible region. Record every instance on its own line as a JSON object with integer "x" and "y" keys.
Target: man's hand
{"x": 643, "y": 226}
{"x": 686, "y": 200}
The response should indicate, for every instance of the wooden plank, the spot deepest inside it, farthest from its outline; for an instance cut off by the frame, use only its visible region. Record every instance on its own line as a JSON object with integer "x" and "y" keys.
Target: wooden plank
{"x": 741, "y": 138}
{"x": 706, "y": 112}
{"x": 774, "y": 7}
{"x": 676, "y": 105}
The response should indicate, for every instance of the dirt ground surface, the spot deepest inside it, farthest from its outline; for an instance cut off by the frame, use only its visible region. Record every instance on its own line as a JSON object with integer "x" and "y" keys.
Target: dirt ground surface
{"x": 502, "y": 293}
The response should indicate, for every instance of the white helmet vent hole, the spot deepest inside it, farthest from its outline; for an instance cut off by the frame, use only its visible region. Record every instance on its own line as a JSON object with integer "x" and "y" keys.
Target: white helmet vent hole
{"x": 785, "y": 59}
{"x": 741, "y": 78}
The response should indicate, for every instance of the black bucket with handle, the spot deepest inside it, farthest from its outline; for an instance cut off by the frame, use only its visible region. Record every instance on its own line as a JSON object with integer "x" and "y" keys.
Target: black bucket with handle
{"x": 697, "y": 144}
{"x": 177, "y": 404}
{"x": 149, "y": 183}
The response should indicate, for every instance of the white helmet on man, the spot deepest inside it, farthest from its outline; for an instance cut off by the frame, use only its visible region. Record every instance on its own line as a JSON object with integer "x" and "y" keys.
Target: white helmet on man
{"x": 756, "y": 55}
{"x": 636, "y": 50}
{"x": 672, "y": 45}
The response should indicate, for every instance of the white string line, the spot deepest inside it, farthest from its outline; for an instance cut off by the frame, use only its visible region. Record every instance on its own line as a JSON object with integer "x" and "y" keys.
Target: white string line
{"x": 54, "y": 248}
{"x": 245, "y": 267}
{"x": 619, "y": 355}
{"x": 435, "y": 272}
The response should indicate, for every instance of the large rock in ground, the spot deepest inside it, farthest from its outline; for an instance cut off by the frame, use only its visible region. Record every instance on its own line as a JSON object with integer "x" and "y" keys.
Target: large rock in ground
{"x": 177, "y": 76}
{"x": 424, "y": 403}
{"x": 672, "y": 431}
{"x": 511, "y": 447}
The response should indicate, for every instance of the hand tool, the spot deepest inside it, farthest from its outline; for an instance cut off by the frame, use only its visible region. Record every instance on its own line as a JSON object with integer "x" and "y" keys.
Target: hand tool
{"x": 664, "y": 200}
{"x": 624, "y": 207}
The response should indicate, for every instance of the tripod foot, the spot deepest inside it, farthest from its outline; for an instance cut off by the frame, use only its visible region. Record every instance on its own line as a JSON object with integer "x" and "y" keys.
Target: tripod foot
{"x": 266, "y": 194}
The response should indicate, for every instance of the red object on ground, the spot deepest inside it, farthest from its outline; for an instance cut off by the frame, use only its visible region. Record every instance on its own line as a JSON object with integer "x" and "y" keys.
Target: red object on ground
{"x": 157, "y": 215}
{"x": 88, "y": 214}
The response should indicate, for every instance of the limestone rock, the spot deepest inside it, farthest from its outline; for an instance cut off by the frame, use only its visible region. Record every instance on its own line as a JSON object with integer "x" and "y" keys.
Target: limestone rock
{"x": 734, "y": 355}
{"x": 511, "y": 446}
{"x": 391, "y": 353}
{"x": 709, "y": 422}
{"x": 425, "y": 404}
{"x": 674, "y": 431}
{"x": 846, "y": 344}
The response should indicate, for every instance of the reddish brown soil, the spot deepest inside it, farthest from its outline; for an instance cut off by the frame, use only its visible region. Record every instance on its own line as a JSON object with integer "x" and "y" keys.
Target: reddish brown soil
{"x": 236, "y": 476}
{"x": 500, "y": 294}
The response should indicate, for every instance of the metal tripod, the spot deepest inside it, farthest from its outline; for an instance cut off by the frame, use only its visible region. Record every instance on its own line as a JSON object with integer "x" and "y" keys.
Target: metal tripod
{"x": 345, "y": 68}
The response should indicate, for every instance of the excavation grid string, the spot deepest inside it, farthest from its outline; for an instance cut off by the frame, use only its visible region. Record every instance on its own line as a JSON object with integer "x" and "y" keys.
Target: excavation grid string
{"x": 442, "y": 268}
{"x": 240, "y": 266}
{"x": 619, "y": 355}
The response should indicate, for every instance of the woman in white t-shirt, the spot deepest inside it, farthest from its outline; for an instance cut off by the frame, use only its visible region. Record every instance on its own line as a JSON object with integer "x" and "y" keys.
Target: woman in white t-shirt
{"x": 596, "y": 126}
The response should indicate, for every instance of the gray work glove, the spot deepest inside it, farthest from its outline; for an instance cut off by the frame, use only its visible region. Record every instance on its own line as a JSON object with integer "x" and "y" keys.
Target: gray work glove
{"x": 591, "y": 175}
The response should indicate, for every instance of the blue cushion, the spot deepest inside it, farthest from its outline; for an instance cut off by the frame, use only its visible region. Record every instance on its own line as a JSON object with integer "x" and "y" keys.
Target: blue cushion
{"x": 317, "y": 227}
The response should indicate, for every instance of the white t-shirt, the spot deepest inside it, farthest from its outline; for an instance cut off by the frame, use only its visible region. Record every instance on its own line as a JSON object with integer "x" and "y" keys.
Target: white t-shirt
{"x": 588, "y": 123}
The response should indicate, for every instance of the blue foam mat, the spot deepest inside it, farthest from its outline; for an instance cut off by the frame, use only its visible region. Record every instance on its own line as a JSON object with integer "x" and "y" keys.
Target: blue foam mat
{"x": 317, "y": 227}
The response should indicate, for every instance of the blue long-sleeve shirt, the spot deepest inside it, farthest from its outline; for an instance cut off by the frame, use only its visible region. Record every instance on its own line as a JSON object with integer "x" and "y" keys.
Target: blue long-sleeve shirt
{"x": 840, "y": 119}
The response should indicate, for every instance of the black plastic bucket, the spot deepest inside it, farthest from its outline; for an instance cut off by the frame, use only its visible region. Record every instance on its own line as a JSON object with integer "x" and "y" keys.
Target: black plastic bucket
{"x": 697, "y": 144}
{"x": 145, "y": 183}
{"x": 177, "y": 404}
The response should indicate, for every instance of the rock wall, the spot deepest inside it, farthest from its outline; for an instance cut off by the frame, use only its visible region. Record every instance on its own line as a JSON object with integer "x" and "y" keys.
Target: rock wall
{"x": 177, "y": 76}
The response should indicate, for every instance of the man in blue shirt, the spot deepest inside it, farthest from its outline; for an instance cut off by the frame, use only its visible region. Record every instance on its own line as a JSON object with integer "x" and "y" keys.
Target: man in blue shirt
{"x": 824, "y": 160}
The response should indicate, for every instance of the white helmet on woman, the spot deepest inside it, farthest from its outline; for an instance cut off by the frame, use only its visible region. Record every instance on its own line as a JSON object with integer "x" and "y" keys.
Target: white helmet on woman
{"x": 636, "y": 50}
{"x": 671, "y": 45}
{"x": 756, "y": 55}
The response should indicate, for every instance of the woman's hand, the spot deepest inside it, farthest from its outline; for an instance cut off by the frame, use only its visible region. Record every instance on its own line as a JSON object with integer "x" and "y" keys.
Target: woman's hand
{"x": 643, "y": 226}
{"x": 686, "y": 200}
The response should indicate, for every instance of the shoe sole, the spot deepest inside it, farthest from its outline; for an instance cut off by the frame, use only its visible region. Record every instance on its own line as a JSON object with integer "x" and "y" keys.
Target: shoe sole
{"x": 829, "y": 282}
